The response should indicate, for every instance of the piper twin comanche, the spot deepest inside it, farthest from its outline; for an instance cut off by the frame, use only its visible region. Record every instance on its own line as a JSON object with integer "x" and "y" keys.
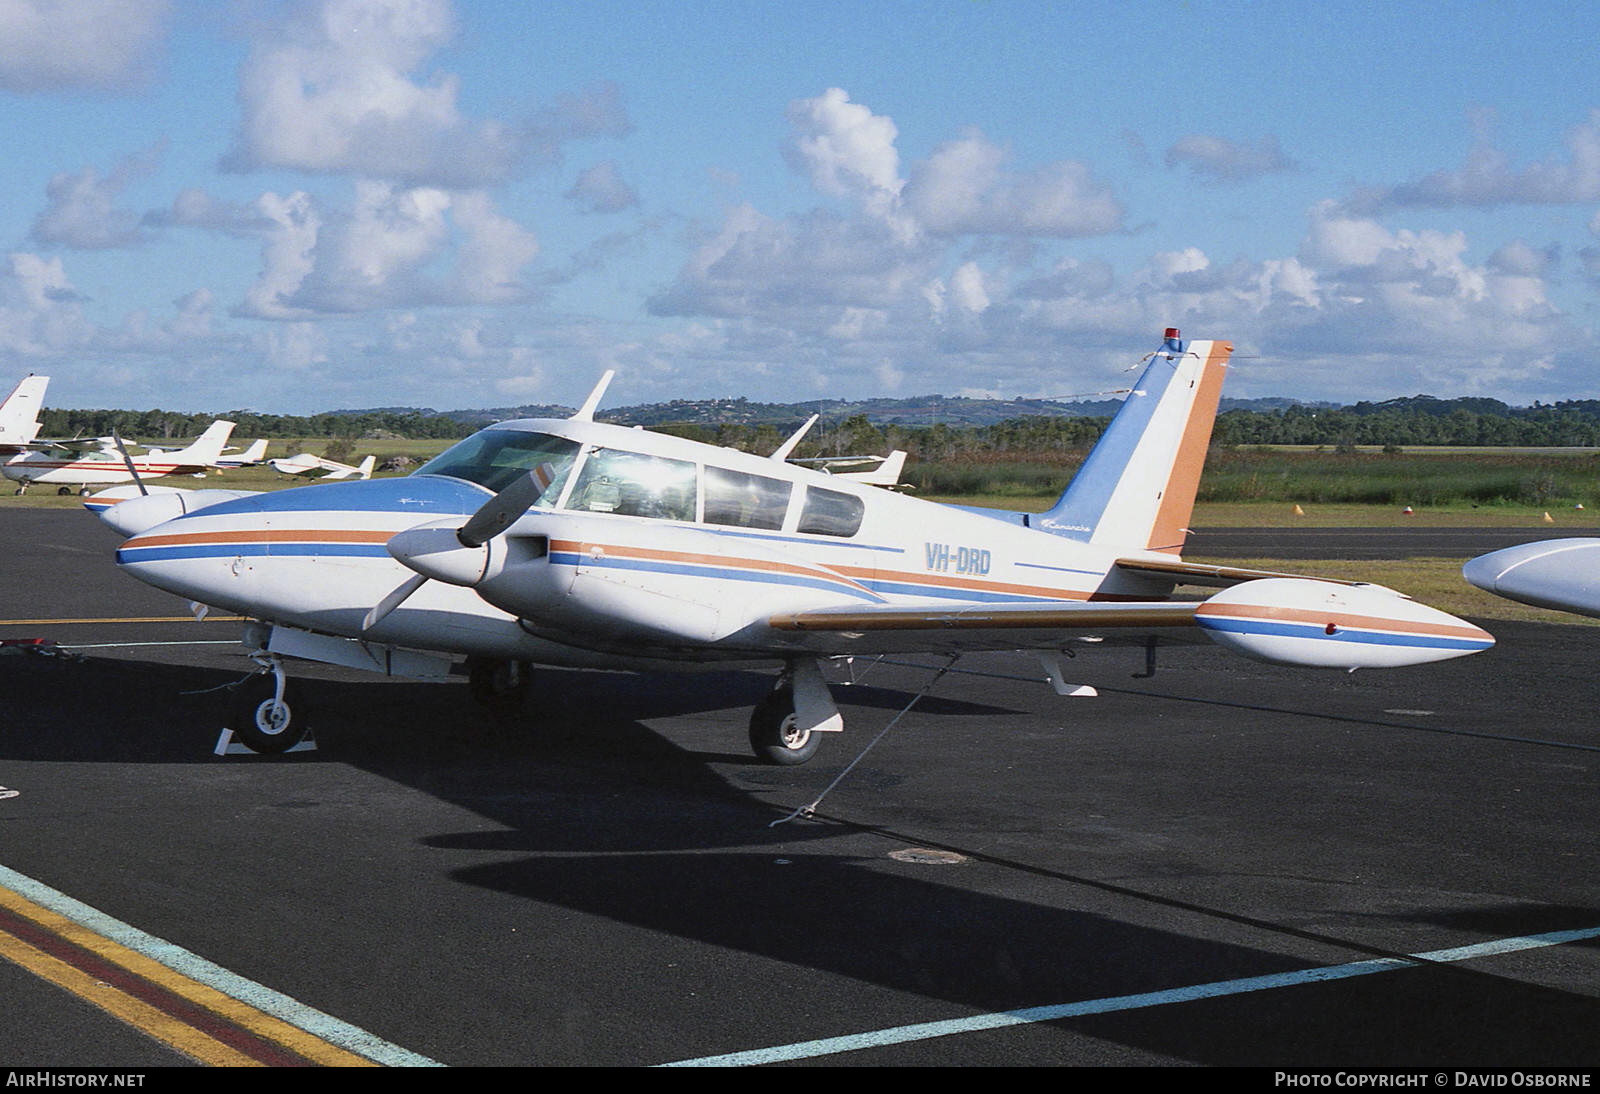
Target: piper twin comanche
{"x": 570, "y": 542}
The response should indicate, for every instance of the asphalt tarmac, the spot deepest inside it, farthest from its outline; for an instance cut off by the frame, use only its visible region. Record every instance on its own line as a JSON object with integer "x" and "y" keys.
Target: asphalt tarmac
{"x": 1223, "y": 864}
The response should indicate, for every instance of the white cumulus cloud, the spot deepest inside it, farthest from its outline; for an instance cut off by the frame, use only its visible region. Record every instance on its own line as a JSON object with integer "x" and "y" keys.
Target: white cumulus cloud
{"x": 76, "y": 45}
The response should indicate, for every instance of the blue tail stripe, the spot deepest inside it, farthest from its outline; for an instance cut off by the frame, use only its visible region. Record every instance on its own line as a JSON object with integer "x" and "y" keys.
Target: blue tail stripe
{"x": 1084, "y": 501}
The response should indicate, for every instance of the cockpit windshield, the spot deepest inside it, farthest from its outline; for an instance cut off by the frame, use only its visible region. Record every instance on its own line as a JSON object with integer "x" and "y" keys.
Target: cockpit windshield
{"x": 495, "y": 458}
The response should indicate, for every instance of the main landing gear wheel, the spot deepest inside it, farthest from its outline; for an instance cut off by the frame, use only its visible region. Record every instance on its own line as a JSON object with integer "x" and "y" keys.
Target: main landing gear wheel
{"x": 263, "y": 724}
{"x": 499, "y": 685}
{"x": 775, "y": 734}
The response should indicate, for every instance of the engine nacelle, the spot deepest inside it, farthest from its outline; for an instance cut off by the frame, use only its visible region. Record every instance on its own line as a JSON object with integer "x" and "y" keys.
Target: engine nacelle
{"x": 131, "y": 510}
{"x": 1319, "y": 624}
{"x": 435, "y": 550}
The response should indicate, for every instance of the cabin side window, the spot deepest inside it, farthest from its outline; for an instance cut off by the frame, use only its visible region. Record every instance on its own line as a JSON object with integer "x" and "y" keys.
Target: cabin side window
{"x": 745, "y": 501}
{"x": 830, "y": 513}
{"x": 634, "y": 485}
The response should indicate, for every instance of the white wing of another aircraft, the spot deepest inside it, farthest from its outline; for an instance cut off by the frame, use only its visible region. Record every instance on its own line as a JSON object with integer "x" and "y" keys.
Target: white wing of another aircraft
{"x": 1563, "y": 574}
{"x": 577, "y": 543}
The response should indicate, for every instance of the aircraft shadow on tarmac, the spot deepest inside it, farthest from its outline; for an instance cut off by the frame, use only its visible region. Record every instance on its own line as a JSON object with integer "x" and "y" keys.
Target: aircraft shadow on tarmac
{"x": 604, "y": 816}
{"x": 63, "y": 707}
{"x": 853, "y": 918}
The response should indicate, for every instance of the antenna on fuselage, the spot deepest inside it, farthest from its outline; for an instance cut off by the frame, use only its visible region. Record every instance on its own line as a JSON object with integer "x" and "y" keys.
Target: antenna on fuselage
{"x": 586, "y": 411}
{"x": 788, "y": 446}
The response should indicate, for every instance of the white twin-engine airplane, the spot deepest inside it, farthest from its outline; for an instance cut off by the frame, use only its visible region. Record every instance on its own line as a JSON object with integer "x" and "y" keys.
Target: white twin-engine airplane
{"x": 99, "y": 460}
{"x": 575, "y": 543}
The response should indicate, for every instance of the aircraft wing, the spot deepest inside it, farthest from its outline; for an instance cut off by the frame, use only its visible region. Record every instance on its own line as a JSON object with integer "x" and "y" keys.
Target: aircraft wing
{"x": 1042, "y": 624}
{"x": 1284, "y": 620}
{"x": 1218, "y": 577}
{"x": 75, "y": 445}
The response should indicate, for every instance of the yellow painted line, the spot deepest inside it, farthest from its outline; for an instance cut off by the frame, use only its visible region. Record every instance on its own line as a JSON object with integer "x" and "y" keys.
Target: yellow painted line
{"x": 123, "y": 619}
{"x": 164, "y": 1027}
{"x": 137, "y": 1013}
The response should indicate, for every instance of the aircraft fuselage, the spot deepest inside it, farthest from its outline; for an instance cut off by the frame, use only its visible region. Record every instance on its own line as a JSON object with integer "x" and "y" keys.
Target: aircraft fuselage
{"x": 648, "y": 545}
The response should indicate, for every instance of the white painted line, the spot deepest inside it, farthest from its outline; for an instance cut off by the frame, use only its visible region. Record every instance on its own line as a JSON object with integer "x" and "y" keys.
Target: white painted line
{"x": 314, "y": 1022}
{"x": 136, "y": 645}
{"x": 927, "y": 1030}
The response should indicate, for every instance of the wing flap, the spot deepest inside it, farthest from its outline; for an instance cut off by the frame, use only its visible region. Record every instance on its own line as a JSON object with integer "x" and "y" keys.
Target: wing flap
{"x": 969, "y": 626}
{"x": 1200, "y": 573}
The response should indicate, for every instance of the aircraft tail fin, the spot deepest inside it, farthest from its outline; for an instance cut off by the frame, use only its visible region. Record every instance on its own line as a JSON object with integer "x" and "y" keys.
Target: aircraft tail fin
{"x": 886, "y": 473}
{"x": 1136, "y": 490}
{"x": 207, "y": 448}
{"x": 365, "y": 469}
{"x": 252, "y": 455}
{"x": 19, "y": 414}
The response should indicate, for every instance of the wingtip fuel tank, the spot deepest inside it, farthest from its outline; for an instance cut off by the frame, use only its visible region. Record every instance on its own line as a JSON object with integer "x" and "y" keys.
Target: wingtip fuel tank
{"x": 1318, "y": 624}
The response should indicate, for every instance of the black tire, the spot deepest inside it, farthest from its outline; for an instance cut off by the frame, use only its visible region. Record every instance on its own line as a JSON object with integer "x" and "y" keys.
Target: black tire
{"x": 262, "y": 725}
{"x": 774, "y": 735}
{"x": 498, "y": 685}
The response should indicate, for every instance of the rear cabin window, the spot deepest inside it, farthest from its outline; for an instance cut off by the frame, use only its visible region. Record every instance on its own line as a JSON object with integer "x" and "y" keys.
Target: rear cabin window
{"x": 634, "y": 485}
{"x": 830, "y": 513}
{"x": 745, "y": 501}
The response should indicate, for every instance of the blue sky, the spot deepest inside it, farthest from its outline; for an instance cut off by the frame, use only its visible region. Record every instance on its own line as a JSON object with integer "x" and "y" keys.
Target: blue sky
{"x": 293, "y": 207}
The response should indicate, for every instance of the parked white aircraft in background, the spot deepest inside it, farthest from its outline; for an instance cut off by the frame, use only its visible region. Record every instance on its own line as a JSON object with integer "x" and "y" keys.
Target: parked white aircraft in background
{"x": 1563, "y": 574}
{"x": 98, "y": 460}
{"x": 19, "y": 414}
{"x": 575, "y": 543}
{"x": 250, "y": 457}
{"x": 886, "y": 473}
{"x": 315, "y": 467}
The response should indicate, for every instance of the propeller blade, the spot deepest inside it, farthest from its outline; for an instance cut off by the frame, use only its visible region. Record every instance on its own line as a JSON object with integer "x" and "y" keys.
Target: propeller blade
{"x": 127, "y": 459}
{"x": 395, "y": 598}
{"x": 499, "y": 512}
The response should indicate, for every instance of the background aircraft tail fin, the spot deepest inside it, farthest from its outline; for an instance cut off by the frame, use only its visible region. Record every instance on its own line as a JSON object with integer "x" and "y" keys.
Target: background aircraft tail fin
{"x": 207, "y": 449}
{"x": 1136, "y": 490}
{"x": 19, "y": 414}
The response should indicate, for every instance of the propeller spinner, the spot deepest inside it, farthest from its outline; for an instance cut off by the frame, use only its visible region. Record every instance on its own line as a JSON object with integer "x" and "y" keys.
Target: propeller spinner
{"x": 458, "y": 554}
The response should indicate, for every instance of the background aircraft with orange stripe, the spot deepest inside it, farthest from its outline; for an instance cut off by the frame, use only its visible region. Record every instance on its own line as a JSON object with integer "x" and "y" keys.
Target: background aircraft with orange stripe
{"x": 91, "y": 461}
{"x": 572, "y": 542}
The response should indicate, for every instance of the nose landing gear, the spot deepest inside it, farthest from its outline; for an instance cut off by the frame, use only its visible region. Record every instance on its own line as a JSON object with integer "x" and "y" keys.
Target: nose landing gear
{"x": 268, "y": 713}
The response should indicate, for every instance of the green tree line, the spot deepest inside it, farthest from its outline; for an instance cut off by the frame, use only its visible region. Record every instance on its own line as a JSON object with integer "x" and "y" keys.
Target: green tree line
{"x": 1419, "y": 421}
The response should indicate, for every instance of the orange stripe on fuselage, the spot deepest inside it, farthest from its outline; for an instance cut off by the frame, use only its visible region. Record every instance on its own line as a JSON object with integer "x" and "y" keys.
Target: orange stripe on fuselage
{"x": 266, "y": 535}
{"x": 695, "y": 558}
{"x": 941, "y": 581}
{"x": 1177, "y": 500}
